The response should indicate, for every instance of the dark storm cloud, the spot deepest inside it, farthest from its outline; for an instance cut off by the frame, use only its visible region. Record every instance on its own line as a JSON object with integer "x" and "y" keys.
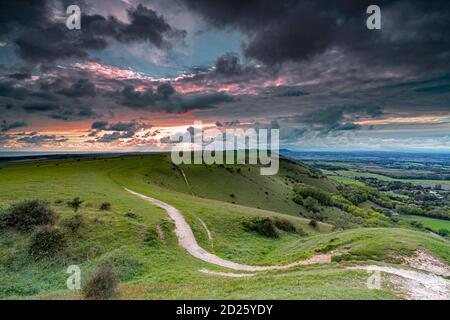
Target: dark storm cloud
{"x": 99, "y": 125}
{"x": 167, "y": 99}
{"x": 288, "y": 135}
{"x": 110, "y": 137}
{"x": 43, "y": 39}
{"x": 285, "y": 91}
{"x": 132, "y": 98}
{"x": 38, "y": 139}
{"x": 9, "y": 90}
{"x": 20, "y": 75}
{"x": 124, "y": 126}
{"x": 71, "y": 113}
{"x": 228, "y": 64}
{"x": 337, "y": 118}
{"x": 6, "y": 126}
{"x": 30, "y": 13}
{"x": 347, "y": 126}
{"x": 39, "y": 107}
{"x": 414, "y": 33}
{"x": 232, "y": 123}
{"x": 82, "y": 87}
{"x": 121, "y": 130}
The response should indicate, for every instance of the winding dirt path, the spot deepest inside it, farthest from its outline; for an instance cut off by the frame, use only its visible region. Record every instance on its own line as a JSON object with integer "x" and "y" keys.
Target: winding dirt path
{"x": 415, "y": 284}
{"x": 187, "y": 240}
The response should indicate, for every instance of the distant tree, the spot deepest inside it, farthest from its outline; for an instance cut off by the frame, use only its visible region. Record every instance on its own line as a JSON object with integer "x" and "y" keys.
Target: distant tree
{"x": 311, "y": 204}
{"x": 75, "y": 203}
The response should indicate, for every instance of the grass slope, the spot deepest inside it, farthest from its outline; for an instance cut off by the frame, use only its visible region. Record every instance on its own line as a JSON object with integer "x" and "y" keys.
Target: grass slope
{"x": 155, "y": 267}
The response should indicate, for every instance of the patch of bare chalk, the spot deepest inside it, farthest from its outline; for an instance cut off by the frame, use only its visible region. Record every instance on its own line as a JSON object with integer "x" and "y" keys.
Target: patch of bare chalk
{"x": 226, "y": 274}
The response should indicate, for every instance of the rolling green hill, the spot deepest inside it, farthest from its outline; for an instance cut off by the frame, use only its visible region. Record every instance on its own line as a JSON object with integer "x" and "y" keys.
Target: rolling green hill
{"x": 137, "y": 239}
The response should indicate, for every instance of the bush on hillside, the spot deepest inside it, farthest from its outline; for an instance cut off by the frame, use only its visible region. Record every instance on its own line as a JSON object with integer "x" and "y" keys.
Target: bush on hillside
{"x": 102, "y": 285}
{"x": 27, "y": 214}
{"x": 305, "y": 191}
{"x": 46, "y": 242}
{"x": 417, "y": 224}
{"x": 284, "y": 224}
{"x": 444, "y": 232}
{"x": 313, "y": 223}
{"x": 262, "y": 226}
{"x": 131, "y": 215}
{"x": 73, "y": 223}
{"x": 105, "y": 206}
{"x": 311, "y": 204}
{"x": 75, "y": 203}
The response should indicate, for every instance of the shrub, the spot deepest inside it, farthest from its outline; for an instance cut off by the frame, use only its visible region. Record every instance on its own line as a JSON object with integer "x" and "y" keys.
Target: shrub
{"x": 73, "y": 223}
{"x": 131, "y": 215}
{"x": 443, "y": 232}
{"x": 285, "y": 225}
{"x": 313, "y": 223}
{"x": 311, "y": 204}
{"x": 151, "y": 237}
{"x": 262, "y": 226}
{"x": 75, "y": 203}
{"x": 46, "y": 242}
{"x": 105, "y": 206}
{"x": 321, "y": 196}
{"x": 101, "y": 285}
{"x": 417, "y": 224}
{"x": 27, "y": 214}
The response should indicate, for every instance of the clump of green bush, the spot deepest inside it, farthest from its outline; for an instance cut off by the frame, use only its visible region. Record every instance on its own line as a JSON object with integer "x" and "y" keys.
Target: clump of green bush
{"x": 75, "y": 203}
{"x": 305, "y": 191}
{"x": 25, "y": 215}
{"x": 313, "y": 223}
{"x": 102, "y": 285}
{"x": 262, "y": 226}
{"x": 131, "y": 215}
{"x": 311, "y": 204}
{"x": 285, "y": 225}
{"x": 46, "y": 242}
{"x": 74, "y": 223}
{"x": 151, "y": 237}
{"x": 444, "y": 232}
{"x": 105, "y": 206}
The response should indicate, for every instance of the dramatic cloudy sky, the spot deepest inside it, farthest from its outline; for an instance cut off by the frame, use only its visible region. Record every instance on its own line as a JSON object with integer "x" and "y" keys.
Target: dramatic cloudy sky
{"x": 140, "y": 71}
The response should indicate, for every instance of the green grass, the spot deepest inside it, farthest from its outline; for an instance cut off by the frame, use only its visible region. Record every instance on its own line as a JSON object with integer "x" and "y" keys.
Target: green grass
{"x": 433, "y": 224}
{"x": 348, "y": 176}
{"x": 155, "y": 268}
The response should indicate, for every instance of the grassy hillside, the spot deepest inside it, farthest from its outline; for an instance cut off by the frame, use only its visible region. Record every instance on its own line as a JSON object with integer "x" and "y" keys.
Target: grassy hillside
{"x": 137, "y": 239}
{"x": 239, "y": 184}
